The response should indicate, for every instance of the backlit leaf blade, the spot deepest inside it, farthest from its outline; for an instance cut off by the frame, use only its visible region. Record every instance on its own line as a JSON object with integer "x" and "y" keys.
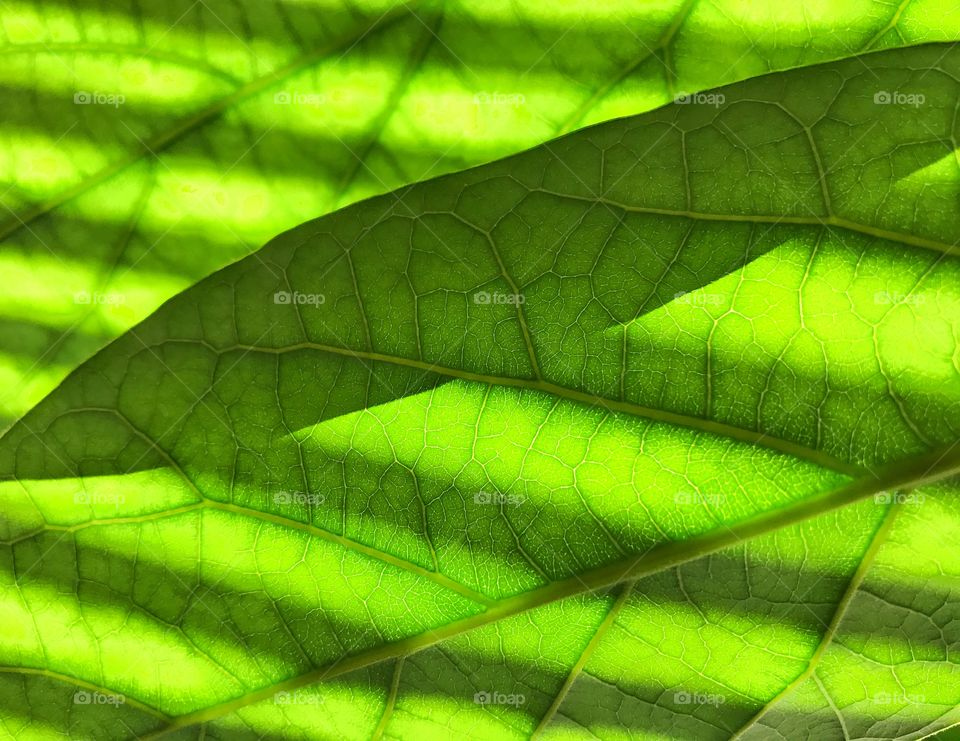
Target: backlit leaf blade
{"x": 392, "y": 431}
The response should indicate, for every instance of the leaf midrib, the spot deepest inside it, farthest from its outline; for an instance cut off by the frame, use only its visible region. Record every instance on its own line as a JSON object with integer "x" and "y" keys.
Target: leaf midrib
{"x": 908, "y": 474}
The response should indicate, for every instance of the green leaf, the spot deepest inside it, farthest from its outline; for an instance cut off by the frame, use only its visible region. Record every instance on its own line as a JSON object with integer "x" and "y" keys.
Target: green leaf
{"x": 646, "y": 432}
{"x": 181, "y": 157}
